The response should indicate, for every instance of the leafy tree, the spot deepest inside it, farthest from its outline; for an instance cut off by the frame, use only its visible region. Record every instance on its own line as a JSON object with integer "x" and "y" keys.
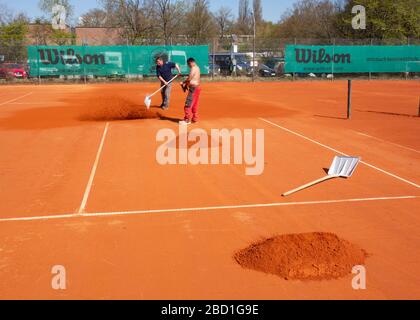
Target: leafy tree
{"x": 310, "y": 19}
{"x": 385, "y": 19}
{"x": 12, "y": 40}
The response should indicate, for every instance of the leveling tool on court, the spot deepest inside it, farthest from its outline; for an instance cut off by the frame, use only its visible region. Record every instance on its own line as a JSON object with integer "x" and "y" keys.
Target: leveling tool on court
{"x": 342, "y": 167}
{"x": 148, "y": 99}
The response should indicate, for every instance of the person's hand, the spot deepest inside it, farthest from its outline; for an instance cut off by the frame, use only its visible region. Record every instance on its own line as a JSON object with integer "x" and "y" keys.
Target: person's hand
{"x": 165, "y": 82}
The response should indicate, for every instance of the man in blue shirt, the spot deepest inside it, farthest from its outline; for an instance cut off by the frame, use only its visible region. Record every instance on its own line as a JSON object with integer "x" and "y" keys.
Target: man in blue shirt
{"x": 164, "y": 73}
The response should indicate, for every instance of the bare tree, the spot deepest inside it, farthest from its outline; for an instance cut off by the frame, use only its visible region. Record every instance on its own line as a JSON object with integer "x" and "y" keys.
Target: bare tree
{"x": 224, "y": 20}
{"x": 257, "y": 11}
{"x": 200, "y": 26}
{"x": 243, "y": 24}
{"x": 169, "y": 15}
{"x": 5, "y": 14}
{"x": 94, "y": 18}
{"x": 134, "y": 17}
{"x": 47, "y": 6}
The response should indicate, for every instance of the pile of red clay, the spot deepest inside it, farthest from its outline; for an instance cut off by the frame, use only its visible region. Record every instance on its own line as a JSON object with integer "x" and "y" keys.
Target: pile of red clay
{"x": 115, "y": 108}
{"x": 307, "y": 256}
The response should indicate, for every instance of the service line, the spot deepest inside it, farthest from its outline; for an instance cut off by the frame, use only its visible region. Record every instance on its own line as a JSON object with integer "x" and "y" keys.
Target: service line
{"x": 339, "y": 152}
{"x": 93, "y": 171}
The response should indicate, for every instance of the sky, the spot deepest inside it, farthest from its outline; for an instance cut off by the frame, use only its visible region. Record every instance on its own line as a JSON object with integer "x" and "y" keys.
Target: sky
{"x": 272, "y": 9}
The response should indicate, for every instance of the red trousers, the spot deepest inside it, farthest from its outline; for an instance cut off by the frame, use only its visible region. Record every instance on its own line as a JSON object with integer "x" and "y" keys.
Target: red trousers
{"x": 191, "y": 105}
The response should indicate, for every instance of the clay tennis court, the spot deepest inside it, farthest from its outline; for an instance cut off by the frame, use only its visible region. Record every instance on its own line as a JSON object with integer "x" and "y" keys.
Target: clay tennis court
{"x": 80, "y": 187}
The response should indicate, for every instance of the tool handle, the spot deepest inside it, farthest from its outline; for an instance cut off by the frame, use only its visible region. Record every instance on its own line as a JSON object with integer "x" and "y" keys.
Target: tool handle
{"x": 163, "y": 86}
{"x": 308, "y": 185}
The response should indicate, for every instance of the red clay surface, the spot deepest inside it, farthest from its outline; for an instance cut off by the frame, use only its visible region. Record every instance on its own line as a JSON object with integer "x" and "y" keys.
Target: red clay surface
{"x": 304, "y": 256}
{"x": 49, "y": 140}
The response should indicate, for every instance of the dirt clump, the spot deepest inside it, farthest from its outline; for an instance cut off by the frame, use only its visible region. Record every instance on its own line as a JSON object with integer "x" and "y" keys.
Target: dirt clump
{"x": 306, "y": 256}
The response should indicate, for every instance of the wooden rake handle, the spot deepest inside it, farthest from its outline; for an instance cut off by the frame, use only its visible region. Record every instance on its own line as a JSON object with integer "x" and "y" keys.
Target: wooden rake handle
{"x": 310, "y": 184}
{"x": 163, "y": 86}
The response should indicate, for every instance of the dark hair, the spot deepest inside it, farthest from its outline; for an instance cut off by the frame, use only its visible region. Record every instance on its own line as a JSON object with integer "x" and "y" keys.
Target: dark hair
{"x": 190, "y": 60}
{"x": 158, "y": 58}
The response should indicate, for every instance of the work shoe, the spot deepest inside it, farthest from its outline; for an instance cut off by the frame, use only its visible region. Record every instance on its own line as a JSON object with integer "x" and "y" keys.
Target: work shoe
{"x": 185, "y": 122}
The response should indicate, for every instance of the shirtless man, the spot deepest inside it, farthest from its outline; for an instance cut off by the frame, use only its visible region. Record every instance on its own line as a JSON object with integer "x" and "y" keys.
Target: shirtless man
{"x": 193, "y": 85}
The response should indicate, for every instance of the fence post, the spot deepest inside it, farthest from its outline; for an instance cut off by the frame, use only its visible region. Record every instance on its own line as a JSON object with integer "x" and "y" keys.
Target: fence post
{"x": 37, "y": 63}
{"x": 128, "y": 62}
{"x": 294, "y": 74}
{"x": 213, "y": 57}
{"x": 349, "y": 99}
{"x": 370, "y": 72}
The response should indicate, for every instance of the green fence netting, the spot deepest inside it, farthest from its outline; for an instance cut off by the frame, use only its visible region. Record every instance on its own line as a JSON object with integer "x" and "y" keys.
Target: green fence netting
{"x": 110, "y": 60}
{"x": 352, "y": 59}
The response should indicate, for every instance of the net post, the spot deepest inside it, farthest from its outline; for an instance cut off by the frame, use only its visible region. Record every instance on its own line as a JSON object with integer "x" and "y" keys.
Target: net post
{"x": 349, "y": 83}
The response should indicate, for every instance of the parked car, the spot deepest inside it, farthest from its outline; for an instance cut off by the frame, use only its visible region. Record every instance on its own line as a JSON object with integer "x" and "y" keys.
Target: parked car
{"x": 276, "y": 63}
{"x": 13, "y": 71}
{"x": 227, "y": 60}
{"x": 214, "y": 69}
{"x": 265, "y": 71}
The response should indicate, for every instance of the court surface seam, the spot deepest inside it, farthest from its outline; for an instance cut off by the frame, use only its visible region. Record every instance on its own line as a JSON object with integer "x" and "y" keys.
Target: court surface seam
{"x": 339, "y": 152}
{"x": 93, "y": 171}
{"x": 212, "y": 208}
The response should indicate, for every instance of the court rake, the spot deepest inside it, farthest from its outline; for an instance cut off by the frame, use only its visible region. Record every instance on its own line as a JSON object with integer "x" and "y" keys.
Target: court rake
{"x": 343, "y": 167}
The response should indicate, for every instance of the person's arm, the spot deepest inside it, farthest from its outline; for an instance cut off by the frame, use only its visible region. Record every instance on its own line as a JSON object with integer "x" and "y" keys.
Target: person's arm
{"x": 178, "y": 68}
{"x": 163, "y": 80}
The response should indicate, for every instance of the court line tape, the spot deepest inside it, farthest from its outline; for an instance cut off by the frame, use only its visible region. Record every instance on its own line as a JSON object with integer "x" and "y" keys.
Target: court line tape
{"x": 15, "y": 99}
{"x": 93, "y": 171}
{"x": 339, "y": 152}
{"x": 228, "y": 207}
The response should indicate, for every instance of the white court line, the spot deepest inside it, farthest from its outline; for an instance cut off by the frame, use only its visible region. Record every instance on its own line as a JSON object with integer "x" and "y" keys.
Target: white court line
{"x": 13, "y": 100}
{"x": 385, "y": 141}
{"x": 93, "y": 172}
{"x": 339, "y": 152}
{"x": 249, "y": 206}
{"x": 28, "y": 103}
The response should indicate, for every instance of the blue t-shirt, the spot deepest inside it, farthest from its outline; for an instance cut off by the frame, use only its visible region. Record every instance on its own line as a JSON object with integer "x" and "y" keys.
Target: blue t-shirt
{"x": 165, "y": 71}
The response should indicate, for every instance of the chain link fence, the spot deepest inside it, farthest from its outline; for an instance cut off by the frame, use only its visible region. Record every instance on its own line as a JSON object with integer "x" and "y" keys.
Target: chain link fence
{"x": 231, "y": 58}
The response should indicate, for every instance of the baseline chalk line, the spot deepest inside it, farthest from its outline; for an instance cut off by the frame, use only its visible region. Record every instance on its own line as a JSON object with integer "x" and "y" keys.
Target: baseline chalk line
{"x": 199, "y": 209}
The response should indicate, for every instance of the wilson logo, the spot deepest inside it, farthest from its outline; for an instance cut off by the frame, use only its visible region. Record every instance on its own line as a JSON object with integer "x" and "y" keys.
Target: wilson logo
{"x": 321, "y": 56}
{"x": 55, "y": 56}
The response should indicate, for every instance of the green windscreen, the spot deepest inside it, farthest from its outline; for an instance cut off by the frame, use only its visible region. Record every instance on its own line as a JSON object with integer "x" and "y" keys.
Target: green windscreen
{"x": 352, "y": 59}
{"x": 111, "y": 60}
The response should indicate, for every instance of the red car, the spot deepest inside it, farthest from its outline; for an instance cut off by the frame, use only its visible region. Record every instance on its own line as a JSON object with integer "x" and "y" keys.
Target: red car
{"x": 12, "y": 71}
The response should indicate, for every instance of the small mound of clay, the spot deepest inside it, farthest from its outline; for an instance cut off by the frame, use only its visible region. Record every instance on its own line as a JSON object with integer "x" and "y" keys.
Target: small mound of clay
{"x": 115, "y": 108}
{"x": 307, "y": 256}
